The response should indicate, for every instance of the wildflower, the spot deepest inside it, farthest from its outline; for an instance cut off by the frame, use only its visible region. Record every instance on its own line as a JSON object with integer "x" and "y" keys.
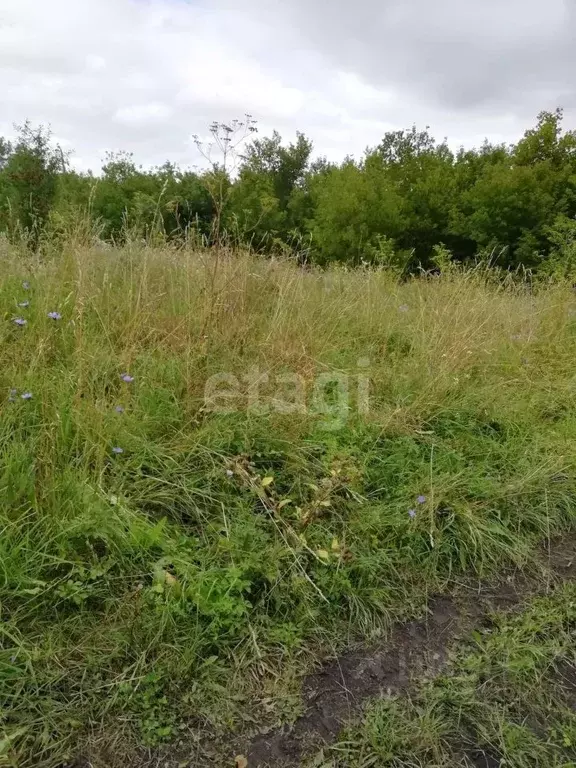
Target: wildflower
{"x": 54, "y": 315}
{"x": 403, "y": 308}
{"x": 20, "y": 321}
{"x": 127, "y": 378}
{"x": 26, "y": 285}
{"x": 26, "y": 396}
{"x": 24, "y": 304}
{"x": 412, "y": 513}
{"x": 229, "y": 473}
{"x": 421, "y": 499}
{"x": 12, "y": 396}
{"x": 117, "y": 450}
{"x": 119, "y": 409}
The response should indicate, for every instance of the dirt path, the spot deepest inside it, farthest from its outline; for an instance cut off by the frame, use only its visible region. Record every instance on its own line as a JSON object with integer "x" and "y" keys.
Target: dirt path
{"x": 338, "y": 691}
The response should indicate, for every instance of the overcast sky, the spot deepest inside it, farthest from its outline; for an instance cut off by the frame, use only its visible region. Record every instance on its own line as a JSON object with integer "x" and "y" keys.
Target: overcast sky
{"x": 144, "y": 75}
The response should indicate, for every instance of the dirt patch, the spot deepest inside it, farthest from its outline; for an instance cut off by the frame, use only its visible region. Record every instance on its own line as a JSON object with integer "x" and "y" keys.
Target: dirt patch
{"x": 337, "y": 693}
{"x": 480, "y": 759}
{"x": 567, "y": 678}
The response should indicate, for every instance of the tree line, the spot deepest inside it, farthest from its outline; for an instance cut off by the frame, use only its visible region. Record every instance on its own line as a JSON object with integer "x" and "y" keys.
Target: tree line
{"x": 409, "y": 202}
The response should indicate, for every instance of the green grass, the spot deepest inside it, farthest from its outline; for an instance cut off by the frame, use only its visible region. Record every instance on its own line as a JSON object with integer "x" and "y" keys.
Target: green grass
{"x": 176, "y": 582}
{"x": 508, "y": 699}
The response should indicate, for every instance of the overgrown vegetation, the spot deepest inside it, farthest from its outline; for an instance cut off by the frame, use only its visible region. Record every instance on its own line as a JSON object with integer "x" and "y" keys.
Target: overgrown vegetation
{"x": 404, "y": 202}
{"x": 507, "y": 701}
{"x": 165, "y": 565}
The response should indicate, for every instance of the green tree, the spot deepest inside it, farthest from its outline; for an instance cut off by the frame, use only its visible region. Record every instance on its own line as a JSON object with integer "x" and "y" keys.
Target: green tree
{"x": 561, "y": 261}
{"x": 30, "y": 171}
{"x": 5, "y": 152}
{"x": 354, "y": 206}
{"x": 506, "y": 210}
{"x": 423, "y": 174}
{"x": 267, "y": 200}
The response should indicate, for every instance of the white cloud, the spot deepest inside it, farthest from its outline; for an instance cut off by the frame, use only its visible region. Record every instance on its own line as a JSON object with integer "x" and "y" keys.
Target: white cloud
{"x": 95, "y": 63}
{"x": 136, "y": 114}
{"x": 143, "y": 75}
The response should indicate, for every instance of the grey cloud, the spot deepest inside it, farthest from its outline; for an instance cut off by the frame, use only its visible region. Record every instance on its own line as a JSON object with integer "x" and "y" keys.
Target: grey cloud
{"x": 144, "y": 75}
{"x": 456, "y": 54}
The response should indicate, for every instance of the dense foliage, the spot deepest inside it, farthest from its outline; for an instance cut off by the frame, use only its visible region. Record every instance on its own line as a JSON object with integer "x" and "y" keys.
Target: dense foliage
{"x": 407, "y": 202}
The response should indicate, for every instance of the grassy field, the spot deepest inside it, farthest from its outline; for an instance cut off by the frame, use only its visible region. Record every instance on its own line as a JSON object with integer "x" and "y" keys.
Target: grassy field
{"x": 168, "y": 568}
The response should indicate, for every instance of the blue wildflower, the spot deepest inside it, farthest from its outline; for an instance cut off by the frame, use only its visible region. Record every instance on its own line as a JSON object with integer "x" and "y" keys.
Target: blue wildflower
{"x": 421, "y": 499}
{"x": 20, "y": 321}
{"x": 54, "y": 315}
{"x": 119, "y": 409}
{"x": 26, "y": 285}
{"x": 26, "y": 396}
{"x": 118, "y": 450}
{"x": 24, "y": 304}
{"x": 127, "y": 378}
{"x": 412, "y": 513}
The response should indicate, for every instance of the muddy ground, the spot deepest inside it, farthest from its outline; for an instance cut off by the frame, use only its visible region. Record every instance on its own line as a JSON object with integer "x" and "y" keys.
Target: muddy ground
{"x": 338, "y": 691}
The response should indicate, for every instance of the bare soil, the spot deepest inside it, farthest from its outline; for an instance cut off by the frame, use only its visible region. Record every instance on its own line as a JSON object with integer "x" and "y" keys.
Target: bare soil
{"x": 337, "y": 692}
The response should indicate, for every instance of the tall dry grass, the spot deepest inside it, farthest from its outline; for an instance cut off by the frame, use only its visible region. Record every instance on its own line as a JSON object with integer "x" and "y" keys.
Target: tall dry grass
{"x": 195, "y": 573}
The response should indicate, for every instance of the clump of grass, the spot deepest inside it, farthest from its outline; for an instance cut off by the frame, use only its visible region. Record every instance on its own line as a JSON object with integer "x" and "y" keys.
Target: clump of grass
{"x": 162, "y": 562}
